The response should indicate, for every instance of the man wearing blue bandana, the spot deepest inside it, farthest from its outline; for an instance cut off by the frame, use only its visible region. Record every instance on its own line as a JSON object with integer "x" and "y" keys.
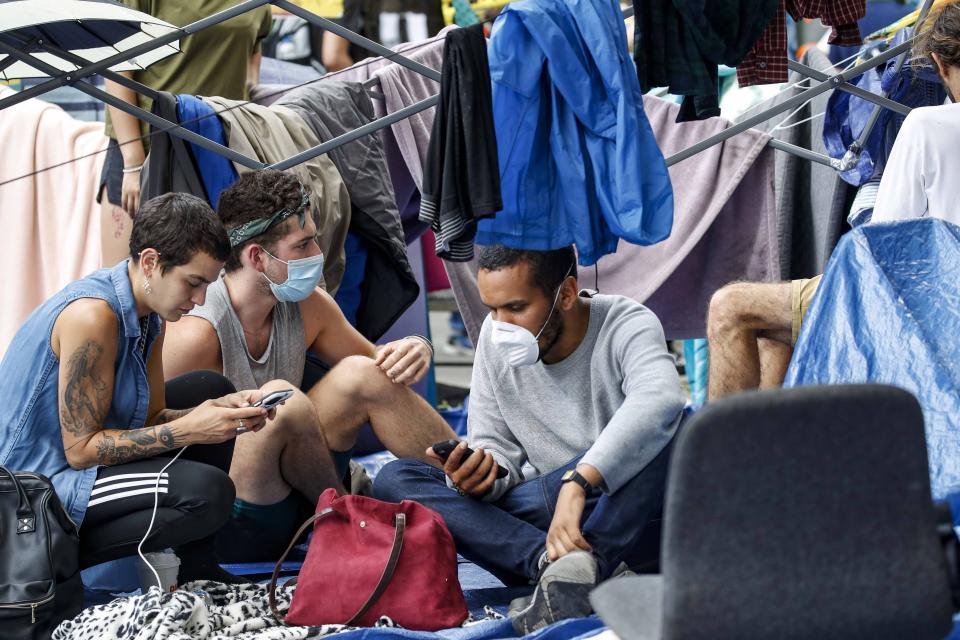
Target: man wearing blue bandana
{"x": 258, "y": 321}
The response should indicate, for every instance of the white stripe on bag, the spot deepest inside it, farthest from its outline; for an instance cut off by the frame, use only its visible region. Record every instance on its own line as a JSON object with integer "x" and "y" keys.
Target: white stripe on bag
{"x": 123, "y": 494}
{"x": 125, "y": 476}
{"x": 126, "y": 485}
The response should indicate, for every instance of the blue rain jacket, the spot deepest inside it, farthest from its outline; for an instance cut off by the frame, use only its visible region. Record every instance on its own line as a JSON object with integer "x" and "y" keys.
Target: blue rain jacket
{"x": 887, "y": 311}
{"x": 579, "y": 163}
{"x": 216, "y": 172}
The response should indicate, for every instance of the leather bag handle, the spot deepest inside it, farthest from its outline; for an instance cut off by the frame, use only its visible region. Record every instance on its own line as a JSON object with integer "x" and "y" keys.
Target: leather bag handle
{"x": 26, "y": 519}
{"x": 400, "y": 525}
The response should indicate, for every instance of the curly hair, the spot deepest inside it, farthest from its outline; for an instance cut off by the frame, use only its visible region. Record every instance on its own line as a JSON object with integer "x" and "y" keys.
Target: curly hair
{"x": 257, "y": 195}
{"x": 178, "y": 226}
{"x": 940, "y": 34}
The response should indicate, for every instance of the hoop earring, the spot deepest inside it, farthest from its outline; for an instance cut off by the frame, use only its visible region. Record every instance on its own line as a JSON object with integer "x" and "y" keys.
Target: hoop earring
{"x": 147, "y": 287}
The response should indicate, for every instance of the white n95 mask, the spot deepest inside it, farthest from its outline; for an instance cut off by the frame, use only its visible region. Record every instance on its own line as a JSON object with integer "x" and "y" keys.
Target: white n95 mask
{"x": 516, "y": 345}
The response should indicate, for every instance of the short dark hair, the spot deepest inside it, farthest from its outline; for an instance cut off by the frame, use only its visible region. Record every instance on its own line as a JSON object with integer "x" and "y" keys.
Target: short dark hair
{"x": 258, "y": 194}
{"x": 548, "y": 268}
{"x": 178, "y": 226}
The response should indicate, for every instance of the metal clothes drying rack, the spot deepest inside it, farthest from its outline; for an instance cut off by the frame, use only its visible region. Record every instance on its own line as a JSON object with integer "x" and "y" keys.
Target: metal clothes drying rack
{"x": 16, "y": 45}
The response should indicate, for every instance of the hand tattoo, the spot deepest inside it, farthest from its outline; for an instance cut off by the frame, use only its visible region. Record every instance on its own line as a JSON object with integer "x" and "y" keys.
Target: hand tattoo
{"x": 145, "y": 443}
{"x": 85, "y": 395}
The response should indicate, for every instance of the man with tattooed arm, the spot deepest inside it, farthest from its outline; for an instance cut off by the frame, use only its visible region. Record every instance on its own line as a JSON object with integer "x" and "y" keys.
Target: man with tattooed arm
{"x": 84, "y": 400}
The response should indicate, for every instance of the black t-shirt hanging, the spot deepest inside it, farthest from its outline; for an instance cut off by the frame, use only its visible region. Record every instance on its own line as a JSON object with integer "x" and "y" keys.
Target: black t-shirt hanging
{"x": 461, "y": 177}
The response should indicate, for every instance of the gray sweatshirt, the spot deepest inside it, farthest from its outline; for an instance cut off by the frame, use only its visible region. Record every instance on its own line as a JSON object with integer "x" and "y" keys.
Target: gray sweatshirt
{"x": 616, "y": 399}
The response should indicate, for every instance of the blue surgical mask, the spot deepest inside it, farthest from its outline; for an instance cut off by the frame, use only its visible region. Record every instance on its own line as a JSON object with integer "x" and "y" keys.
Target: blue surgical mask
{"x": 303, "y": 275}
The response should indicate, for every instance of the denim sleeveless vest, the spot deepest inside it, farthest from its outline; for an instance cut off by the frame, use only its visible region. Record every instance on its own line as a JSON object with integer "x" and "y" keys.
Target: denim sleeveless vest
{"x": 30, "y": 438}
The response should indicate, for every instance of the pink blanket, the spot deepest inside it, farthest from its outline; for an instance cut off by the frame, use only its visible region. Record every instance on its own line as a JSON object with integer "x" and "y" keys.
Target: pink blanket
{"x": 51, "y": 230}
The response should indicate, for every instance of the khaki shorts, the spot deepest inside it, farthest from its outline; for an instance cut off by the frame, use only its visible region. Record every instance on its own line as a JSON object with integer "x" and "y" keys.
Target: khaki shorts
{"x": 801, "y": 295}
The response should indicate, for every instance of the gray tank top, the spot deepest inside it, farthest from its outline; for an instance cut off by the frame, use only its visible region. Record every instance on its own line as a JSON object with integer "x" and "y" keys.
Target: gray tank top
{"x": 285, "y": 354}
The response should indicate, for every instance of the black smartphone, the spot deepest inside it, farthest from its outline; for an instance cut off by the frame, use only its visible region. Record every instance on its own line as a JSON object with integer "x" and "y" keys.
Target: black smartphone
{"x": 445, "y": 448}
{"x": 273, "y": 398}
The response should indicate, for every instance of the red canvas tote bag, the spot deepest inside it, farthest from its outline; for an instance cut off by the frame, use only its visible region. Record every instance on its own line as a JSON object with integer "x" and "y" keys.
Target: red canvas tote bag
{"x": 369, "y": 559}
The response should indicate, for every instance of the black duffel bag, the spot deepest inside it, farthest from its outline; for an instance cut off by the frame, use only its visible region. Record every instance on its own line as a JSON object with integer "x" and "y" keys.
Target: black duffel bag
{"x": 39, "y": 558}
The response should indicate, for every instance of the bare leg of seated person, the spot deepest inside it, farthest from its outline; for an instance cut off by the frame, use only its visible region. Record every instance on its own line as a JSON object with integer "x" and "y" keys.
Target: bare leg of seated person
{"x": 279, "y": 472}
{"x": 357, "y": 391}
{"x": 289, "y": 453}
{"x": 741, "y": 315}
{"x": 774, "y": 359}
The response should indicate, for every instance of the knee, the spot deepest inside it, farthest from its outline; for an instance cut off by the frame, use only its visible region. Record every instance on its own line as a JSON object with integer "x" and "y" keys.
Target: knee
{"x": 725, "y": 308}
{"x": 194, "y": 388}
{"x": 397, "y": 480}
{"x": 217, "y": 385}
{"x": 297, "y": 411}
{"x": 216, "y": 494}
{"x": 359, "y": 378}
{"x": 278, "y": 385}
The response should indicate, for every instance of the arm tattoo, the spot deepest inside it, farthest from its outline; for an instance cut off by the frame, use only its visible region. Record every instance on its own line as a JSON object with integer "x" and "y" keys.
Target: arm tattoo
{"x": 85, "y": 395}
{"x": 169, "y": 415}
{"x": 136, "y": 444}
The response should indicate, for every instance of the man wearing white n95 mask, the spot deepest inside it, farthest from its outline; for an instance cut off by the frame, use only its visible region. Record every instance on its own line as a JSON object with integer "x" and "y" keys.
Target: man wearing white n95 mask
{"x": 579, "y": 400}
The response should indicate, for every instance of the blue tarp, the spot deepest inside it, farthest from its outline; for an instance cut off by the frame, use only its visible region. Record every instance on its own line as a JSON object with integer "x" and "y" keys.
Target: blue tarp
{"x": 888, "y": 311}
{"x": 574, "y": 629}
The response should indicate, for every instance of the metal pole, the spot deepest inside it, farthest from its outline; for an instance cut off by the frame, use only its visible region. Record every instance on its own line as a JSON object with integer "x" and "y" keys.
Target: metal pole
{"x": 852, "y": 89}
{"x": 806, "y": 154}
{"x": 350, "y": 136}
{"x": 787, "y": 105}
{"x": 60, "y": 78}
{"x": 357, "y": 39}
{"x": 857, "y": 146}
{"x": 157, "y": 121}
{"x": 130, "y": 83}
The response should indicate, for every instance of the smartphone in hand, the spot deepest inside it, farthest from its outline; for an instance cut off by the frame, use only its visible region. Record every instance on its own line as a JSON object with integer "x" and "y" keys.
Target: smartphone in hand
{"x": 445, "y": 448}
{"x": 273, "y": 398}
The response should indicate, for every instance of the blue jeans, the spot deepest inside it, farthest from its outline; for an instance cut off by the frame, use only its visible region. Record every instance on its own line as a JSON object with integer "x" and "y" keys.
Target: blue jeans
{"x": 507, "y": 537}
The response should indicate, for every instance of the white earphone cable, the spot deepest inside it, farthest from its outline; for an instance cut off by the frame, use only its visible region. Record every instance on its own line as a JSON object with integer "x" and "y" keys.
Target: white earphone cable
{"x": 153, "y": 517}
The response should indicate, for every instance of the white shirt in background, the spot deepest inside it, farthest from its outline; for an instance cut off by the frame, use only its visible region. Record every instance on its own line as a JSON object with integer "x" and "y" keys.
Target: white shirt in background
{"x": 922, "y": 175}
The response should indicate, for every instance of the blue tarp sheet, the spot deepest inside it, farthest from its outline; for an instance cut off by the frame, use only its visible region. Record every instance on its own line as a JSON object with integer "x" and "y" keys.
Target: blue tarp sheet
{"x": 888, "y": 311}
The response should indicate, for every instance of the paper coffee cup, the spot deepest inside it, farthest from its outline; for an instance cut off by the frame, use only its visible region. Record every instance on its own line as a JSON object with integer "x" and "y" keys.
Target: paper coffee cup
{"x": 167, "y": 566}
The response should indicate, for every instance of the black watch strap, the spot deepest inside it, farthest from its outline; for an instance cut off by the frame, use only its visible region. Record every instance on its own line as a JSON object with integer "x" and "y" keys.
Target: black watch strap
{"x": 574, "y": 476}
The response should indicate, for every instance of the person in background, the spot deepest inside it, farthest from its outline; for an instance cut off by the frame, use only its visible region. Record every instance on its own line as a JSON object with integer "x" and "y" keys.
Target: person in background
{"x": 388, "y": 22}
{"x": 752, "y": 327}
{"x": 579, "y": 401}
{"x": 218, "y": 61}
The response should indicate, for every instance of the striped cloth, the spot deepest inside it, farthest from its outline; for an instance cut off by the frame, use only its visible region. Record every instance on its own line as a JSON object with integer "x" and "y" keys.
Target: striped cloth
{"x": 126, "y": 485}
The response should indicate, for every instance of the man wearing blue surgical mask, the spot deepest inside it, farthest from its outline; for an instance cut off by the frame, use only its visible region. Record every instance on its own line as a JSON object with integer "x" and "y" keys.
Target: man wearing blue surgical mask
{"x": 578, "y": 400}
{"x": 258, "y": 321}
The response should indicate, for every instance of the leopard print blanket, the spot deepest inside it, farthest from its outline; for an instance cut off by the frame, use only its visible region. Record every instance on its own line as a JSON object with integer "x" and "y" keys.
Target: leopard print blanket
{"x": 198, "y": 611}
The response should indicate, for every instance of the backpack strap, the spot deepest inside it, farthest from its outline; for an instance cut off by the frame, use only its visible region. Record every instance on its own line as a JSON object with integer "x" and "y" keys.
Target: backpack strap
{"x": 26, "y": 518}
